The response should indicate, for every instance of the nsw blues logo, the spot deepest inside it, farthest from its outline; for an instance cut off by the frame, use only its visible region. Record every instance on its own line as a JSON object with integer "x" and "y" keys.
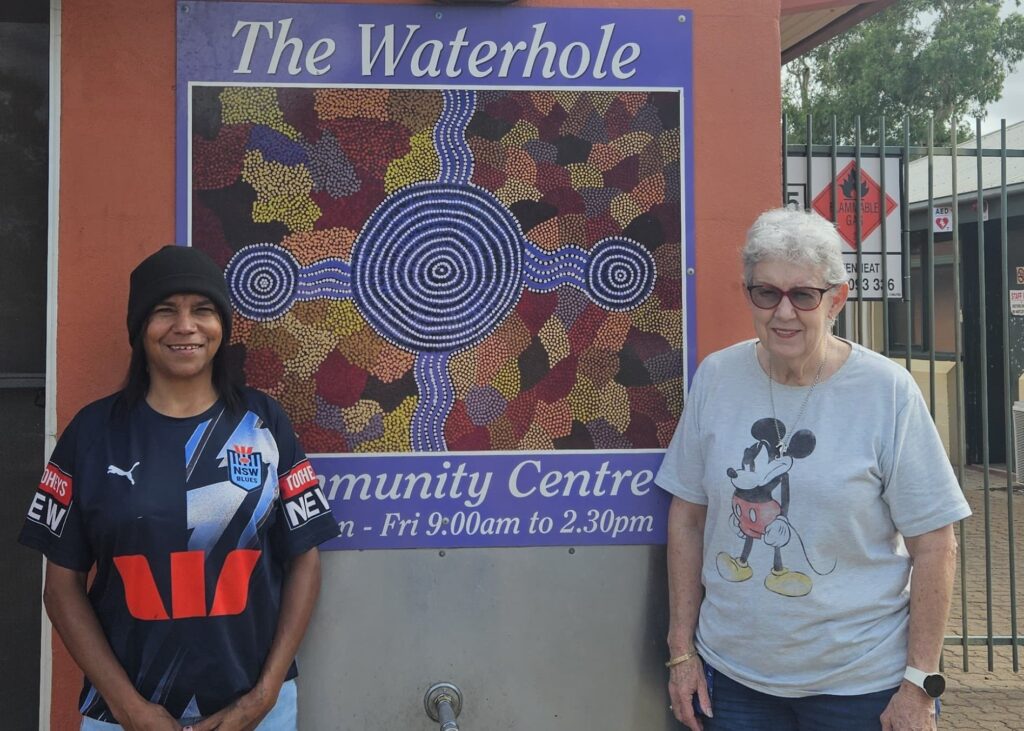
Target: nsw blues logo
{"x": 245, "y": 467}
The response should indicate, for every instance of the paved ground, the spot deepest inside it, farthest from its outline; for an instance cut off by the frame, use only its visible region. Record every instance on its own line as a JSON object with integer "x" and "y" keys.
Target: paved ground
{"x": 983, "y": 699}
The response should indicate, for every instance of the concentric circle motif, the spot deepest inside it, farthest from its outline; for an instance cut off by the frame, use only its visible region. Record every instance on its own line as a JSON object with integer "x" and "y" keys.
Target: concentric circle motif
{"x": 437, "y": 266}
{"x": 620, "y": 274}
{"x": 263, "y": 279}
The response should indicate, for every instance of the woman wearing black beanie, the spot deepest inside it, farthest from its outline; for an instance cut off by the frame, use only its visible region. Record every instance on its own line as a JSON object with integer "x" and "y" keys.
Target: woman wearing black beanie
{"x": 193, "y": 500}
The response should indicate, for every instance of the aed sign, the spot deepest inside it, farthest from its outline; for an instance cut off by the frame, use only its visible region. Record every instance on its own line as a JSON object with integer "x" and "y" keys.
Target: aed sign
{"x": 866, "y": 207}
{"x": 942, "y": 219}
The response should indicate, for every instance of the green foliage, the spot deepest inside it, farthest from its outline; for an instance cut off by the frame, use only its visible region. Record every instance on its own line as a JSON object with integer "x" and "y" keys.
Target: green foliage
{"x": 941, "y": 59}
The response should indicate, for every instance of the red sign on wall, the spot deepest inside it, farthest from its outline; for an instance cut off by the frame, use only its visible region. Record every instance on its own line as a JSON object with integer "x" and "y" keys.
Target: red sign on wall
{"x": 846, "y": 208}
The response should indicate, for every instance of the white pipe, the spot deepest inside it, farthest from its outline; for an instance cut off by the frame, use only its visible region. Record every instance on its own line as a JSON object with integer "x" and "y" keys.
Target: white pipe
{"x": 50, "y": 423}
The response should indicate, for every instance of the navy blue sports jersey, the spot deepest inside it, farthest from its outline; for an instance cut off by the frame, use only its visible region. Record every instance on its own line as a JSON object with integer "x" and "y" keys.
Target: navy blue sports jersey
{"x": 190, "y": 523}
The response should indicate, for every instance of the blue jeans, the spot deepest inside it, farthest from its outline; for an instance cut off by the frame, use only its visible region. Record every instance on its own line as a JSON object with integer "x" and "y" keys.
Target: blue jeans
{"x": 739, "y": 708}
{"x": 282, "y": 717}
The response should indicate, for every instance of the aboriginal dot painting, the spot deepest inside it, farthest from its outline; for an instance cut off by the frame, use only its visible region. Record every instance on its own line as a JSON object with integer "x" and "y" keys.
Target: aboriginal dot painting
{"x": 425, "y": 270}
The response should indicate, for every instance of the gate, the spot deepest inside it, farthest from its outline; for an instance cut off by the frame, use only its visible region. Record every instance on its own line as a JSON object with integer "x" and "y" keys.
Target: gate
{"x": 951, "y": 251}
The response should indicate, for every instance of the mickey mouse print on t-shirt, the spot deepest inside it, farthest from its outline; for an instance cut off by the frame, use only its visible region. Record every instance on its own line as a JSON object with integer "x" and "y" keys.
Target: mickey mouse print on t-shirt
{"x": 757, "y": 514}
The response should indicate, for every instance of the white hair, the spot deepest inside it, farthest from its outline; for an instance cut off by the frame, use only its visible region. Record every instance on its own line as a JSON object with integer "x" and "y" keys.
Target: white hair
{"x": 799, "y": 237}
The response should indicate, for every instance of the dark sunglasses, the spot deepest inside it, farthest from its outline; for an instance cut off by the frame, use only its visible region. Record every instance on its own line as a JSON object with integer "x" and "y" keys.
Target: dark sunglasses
{"x": 768, "y": 297}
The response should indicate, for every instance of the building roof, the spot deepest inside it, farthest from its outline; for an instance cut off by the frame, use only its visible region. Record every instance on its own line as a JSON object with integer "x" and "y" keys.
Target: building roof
{"x": 967, "y": 168}
{"x": 806, "y": 24}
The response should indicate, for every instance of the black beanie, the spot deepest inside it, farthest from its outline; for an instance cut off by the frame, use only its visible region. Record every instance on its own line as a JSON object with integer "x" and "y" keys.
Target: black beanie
{"x": 176, "y": 270}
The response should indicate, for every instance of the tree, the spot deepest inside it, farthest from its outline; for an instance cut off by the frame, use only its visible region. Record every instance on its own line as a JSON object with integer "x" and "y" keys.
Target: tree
{"x": 945, "y": 59}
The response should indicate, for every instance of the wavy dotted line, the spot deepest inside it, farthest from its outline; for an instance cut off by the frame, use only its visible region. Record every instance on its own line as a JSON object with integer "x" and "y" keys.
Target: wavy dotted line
{"x": 618, "y": 274}
{"x": 265, "y": 280}
{"x": 456, "y": 157}
{"x": 436, "y": 398}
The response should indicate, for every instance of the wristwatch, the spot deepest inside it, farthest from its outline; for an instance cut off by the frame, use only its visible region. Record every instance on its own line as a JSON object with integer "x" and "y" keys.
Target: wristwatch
{"x": 931, "y": 683}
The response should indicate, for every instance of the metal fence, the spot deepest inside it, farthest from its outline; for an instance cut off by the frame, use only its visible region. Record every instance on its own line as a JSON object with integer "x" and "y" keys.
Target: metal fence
{"x": 937, "y": 314}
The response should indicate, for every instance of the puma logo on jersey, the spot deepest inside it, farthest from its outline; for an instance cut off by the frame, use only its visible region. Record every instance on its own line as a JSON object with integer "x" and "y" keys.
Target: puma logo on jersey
{"x": 112, "y": 470}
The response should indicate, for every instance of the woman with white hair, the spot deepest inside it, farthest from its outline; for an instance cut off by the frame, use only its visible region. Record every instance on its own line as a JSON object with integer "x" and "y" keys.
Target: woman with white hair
{"x": 808, "y": 479}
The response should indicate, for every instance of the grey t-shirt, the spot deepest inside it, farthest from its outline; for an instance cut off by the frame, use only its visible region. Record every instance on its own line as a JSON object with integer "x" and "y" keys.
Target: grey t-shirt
{"x": 863, "y": 466}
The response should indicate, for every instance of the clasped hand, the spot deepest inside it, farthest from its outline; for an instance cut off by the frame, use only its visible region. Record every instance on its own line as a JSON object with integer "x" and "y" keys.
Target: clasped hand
{"x": 244, "y": 714}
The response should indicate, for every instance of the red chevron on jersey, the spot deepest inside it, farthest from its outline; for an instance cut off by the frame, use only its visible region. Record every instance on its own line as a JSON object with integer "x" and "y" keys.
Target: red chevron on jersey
{"x": 188, "y": 585}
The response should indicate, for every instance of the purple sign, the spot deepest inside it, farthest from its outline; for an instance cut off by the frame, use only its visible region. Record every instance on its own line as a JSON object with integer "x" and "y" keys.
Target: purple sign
{"x": 488, "y": 499}
{"x": 424, "y": 44}
{"x": 457, "y": 241}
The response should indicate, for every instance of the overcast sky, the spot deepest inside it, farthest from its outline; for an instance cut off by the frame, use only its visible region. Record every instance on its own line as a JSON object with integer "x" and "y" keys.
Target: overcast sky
{"x": 1011, "y": 106}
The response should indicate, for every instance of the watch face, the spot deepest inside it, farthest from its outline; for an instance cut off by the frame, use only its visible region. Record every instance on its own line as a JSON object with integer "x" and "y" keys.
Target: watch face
{"x": 934, "y": 685}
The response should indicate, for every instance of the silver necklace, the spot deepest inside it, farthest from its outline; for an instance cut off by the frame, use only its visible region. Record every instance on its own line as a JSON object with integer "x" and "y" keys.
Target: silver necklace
{"x": 783, "y": 444}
